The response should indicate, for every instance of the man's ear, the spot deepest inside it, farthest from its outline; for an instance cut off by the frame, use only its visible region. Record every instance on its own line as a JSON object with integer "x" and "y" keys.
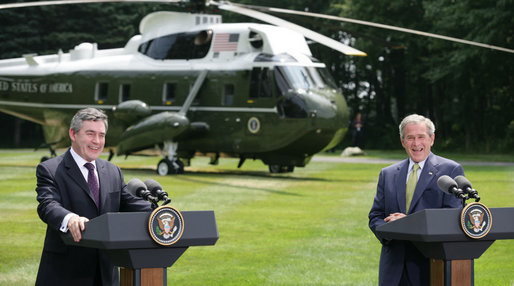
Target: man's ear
{"x": 72, "y": 134}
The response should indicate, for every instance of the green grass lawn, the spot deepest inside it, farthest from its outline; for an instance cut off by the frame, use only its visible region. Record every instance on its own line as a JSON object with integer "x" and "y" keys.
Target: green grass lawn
{"x": 303, "y": 228}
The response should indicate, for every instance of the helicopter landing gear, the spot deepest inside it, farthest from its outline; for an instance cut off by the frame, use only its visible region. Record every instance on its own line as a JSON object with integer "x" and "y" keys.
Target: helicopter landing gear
{"x": 274, "y": 169}
{"x": 171, "y": 164}
{"x": 168, "y": 167}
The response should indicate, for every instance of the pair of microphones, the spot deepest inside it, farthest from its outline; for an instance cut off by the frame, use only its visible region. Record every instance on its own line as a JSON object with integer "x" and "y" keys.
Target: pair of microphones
{"x": 150, "y": 191}
{"x": 460, "y": 187}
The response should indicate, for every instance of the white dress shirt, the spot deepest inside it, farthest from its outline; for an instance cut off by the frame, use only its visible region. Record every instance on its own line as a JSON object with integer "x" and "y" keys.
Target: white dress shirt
{"x": 85, "y": 172}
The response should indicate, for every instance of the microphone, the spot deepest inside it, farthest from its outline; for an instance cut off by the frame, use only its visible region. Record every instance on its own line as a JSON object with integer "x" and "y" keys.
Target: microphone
{"x": 137, "y": 188}
{"x": 449, "y": 186}
{"x": 156, "y": 190}
{"x": 465, "y": 185}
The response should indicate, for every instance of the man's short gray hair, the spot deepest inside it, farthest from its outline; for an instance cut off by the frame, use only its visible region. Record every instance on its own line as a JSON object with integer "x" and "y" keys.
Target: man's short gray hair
{"x": 89, "y": 113}
{"x": 417, "y": 119}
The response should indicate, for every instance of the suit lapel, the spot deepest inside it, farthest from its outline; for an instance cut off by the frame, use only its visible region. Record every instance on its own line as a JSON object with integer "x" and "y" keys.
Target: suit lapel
{"x": 428, "y": 173}
{"x": 75, "y": 174}
{"x": 103, "y": 182}
{"x": 399, "y": 182}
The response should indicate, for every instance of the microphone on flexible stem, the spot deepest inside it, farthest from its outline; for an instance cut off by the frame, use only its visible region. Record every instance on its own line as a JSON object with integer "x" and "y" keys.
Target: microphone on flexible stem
{"x": 137, "y": 188}
{"x": 465, "y": 185}
{"x": 156, "y": 190}
{"x": 449, "y": 186}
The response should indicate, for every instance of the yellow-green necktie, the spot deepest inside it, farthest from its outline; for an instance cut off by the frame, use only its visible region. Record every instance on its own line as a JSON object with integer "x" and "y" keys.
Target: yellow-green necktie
{"x": 411, "y": 186}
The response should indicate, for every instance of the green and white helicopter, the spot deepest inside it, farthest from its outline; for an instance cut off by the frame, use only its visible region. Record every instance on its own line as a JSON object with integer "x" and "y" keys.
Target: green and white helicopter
{"x": 189, "y": 84}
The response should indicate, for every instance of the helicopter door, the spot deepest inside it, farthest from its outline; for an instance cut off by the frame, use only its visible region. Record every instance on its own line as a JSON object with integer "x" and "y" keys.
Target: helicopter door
{"x": 261, "y": 84}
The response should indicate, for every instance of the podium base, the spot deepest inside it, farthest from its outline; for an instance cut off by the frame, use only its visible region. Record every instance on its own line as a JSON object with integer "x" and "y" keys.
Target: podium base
{"x": 143, "y": 277}
{"x": 452, "y": 272}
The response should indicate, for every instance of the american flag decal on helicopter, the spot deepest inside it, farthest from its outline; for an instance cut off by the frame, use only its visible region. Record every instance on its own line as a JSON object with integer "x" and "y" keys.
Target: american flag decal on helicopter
{"x": 225, "y": 42}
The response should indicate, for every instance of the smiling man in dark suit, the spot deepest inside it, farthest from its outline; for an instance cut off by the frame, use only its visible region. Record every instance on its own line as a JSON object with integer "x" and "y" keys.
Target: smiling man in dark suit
{"x": 407, "y": 187}
{"x": 71, "y": 189}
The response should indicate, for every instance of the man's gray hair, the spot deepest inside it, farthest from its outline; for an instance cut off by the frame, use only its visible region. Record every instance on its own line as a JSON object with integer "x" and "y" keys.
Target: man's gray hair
{"x": 417, "y": 119}
{"x": 89, "y": 113}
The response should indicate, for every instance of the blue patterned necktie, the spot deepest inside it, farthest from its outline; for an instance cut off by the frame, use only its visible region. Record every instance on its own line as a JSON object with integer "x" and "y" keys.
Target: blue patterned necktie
{"x": 92, "y": 182}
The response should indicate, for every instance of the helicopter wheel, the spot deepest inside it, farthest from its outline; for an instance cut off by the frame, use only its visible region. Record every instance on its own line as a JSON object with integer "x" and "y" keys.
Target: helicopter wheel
{"x": 275, "y": 169}
{"x": 166, "y": 167}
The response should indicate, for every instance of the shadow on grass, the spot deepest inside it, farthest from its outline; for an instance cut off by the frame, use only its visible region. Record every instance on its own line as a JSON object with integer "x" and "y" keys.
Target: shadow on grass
{"x": 210, "y": 183}
{"x": 241, "y": 173}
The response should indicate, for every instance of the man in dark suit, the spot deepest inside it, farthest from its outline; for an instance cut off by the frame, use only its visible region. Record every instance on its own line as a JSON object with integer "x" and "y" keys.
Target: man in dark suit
{"x": 400, "y": 262}
{"x": 69, "y": 194}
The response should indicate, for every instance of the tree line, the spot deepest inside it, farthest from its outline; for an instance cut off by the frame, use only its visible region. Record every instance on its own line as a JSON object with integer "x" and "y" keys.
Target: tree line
{"x": 467, "y": 91}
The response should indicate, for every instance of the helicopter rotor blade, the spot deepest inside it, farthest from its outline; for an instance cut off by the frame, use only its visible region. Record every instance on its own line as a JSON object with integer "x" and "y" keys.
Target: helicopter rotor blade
{"x": 317, "y": 37}
{"x": 65, "y": 2}
{"x": 378, "y": 25}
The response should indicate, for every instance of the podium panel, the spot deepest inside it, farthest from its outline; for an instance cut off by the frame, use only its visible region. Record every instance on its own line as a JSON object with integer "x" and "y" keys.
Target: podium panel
{"x": 438, "y": 235}
{"x": 126, "y": 240}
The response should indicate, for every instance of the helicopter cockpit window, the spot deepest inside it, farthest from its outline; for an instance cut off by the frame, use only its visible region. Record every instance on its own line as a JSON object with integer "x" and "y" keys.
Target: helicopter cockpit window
{"x": 298, "y": 77}
{"x": 327, "y": 78}
{"x": 185, "y": 46}
{"x": 316, "y": 77}
{"x": 261, "y": 83}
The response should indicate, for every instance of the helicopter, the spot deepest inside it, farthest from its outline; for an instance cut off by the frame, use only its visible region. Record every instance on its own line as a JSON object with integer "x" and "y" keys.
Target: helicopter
{"x": 189, "y": 84}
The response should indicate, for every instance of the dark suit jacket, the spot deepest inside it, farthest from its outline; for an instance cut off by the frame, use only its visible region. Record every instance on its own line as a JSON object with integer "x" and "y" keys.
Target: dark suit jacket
{"x": 61, "y": 189}
{"x": 390, "y": 198}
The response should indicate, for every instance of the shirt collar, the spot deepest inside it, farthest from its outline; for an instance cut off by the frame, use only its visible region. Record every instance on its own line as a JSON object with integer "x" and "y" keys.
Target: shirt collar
{"x": 79, "y": 160}
{"x": 420, "y": 164}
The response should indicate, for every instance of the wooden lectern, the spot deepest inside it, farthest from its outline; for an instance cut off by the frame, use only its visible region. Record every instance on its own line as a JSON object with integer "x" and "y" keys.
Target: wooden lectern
{"x": 125, "y": 238}
{"x": 437, "y": 233}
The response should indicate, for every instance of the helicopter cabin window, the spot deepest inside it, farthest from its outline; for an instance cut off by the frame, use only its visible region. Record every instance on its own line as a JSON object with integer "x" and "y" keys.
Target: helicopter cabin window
{"x": 168, "y": 93}
{"x": 101, "y": 89}
{"x": 180, "y": 46}
{"x": 124, "y": 92}
{"x": 228, "y": 94}
{"x": 261, "y": 83}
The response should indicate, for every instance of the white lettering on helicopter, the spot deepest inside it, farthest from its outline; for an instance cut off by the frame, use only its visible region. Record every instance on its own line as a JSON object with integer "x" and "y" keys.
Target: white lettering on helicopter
{"x": 31, "y": 87}
{"x": 60, "y": 88}
{"x": 24, "y": 87}
{"x": 4, "y": 86}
